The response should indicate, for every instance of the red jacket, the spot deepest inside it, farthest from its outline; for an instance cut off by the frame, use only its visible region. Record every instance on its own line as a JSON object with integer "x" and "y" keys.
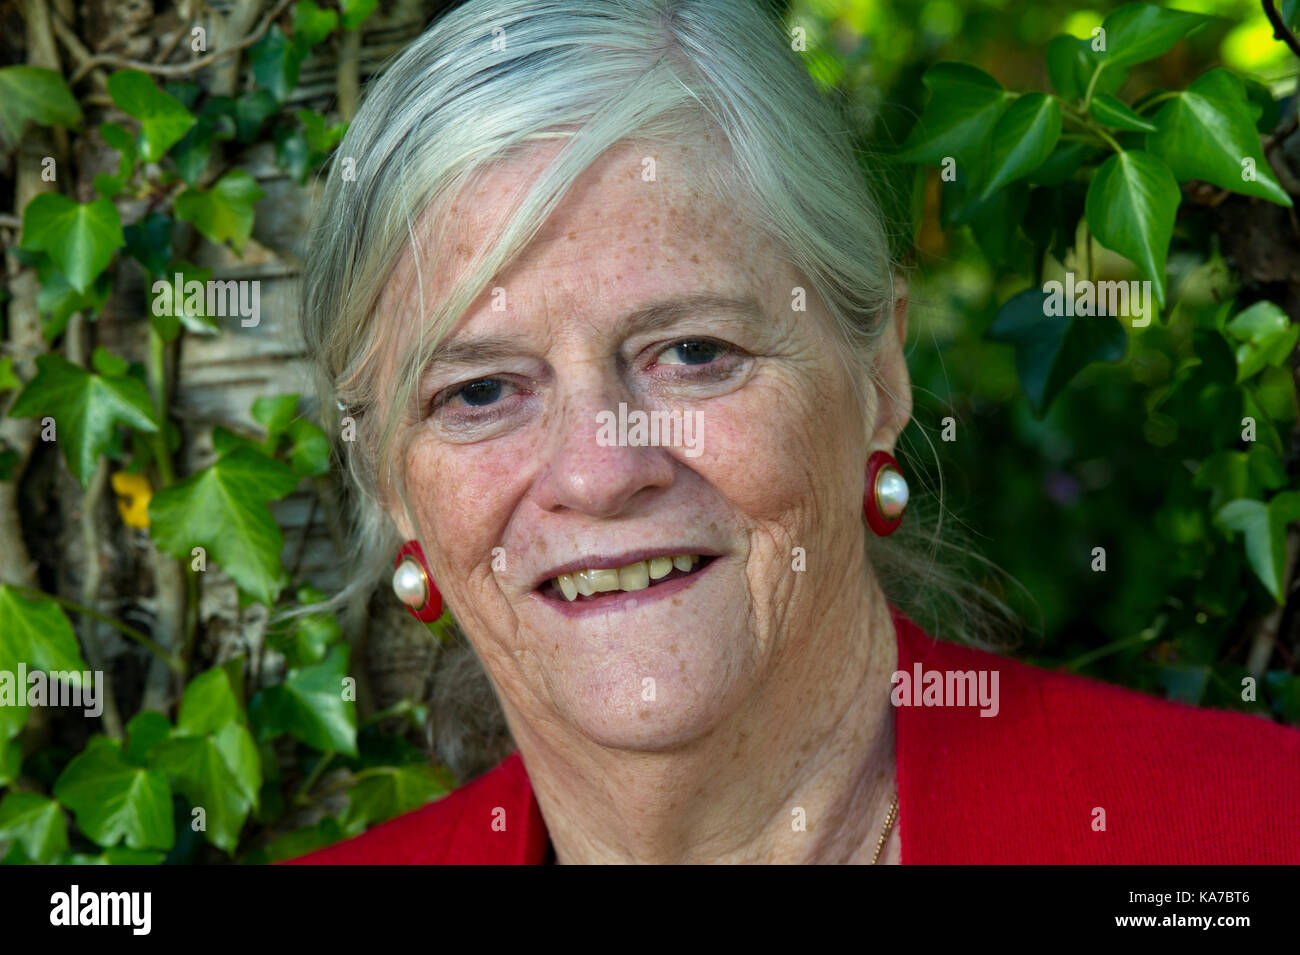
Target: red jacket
{"x": 1177, "y": 784}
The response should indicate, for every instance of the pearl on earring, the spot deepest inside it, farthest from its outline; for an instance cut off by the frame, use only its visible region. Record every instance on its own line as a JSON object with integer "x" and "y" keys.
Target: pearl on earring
{"x": 886, "y": 494}
{"x": 891, "y": 492}
{"x": 410, "y": 583}
{"x": 413, "y": 583}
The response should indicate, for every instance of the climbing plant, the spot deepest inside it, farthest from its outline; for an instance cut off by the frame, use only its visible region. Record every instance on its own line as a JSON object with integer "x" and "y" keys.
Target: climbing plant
{"x": 240, "y": 759}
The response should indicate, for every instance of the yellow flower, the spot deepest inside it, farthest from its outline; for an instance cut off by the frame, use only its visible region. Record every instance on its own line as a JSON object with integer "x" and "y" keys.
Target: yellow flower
{"x": 133, "y": 494}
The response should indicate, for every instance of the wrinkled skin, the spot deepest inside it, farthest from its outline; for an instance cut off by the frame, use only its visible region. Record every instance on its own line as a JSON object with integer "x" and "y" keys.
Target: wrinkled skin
{"x": 770, "y": 686}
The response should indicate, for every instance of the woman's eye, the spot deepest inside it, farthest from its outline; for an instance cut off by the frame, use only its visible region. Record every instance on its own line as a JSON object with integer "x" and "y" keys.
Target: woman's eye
{"x": 476, "y": 394}
{"x": 481, "y": 393}
{"x": 690, "y": 353}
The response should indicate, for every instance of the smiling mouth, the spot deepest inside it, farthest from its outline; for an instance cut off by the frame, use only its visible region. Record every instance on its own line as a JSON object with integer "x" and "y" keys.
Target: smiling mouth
{"x": 589, "y": 585}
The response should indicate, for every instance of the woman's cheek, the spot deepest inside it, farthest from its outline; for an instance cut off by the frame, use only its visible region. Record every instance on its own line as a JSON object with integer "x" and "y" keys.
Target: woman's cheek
{"x": 460, "y": 495}
{"x": 759, "y": 450}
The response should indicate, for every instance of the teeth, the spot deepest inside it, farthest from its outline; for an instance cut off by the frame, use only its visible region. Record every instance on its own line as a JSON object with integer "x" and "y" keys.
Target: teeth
{"x": 602, "y": 581}
{"x": 632, "y": 577}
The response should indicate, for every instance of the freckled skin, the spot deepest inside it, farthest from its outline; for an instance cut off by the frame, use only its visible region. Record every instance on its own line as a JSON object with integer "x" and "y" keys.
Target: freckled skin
{"x": 753, "y": 663}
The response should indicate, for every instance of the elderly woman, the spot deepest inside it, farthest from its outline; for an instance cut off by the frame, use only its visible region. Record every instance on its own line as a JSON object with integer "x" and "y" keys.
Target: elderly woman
{"x": 613, "y": 312}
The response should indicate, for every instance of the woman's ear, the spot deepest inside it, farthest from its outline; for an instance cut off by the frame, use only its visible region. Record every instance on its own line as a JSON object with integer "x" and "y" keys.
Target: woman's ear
{"x": 893, "y": 382}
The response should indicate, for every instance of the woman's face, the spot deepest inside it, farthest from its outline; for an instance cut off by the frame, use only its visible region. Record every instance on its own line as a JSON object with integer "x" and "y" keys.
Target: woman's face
{"x": 645, "y": 296}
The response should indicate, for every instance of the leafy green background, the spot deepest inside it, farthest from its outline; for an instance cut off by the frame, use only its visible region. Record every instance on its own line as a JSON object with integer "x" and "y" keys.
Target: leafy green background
{"x": 243, "y": 766}
{"x": 1086, "y": 432}
{"x": 1055, "y": 435}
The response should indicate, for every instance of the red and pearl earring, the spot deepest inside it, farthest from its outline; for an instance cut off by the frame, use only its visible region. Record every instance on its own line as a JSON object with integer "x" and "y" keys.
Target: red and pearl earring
{"x": 413, "y": 584}
{"x": 886, "y": 495}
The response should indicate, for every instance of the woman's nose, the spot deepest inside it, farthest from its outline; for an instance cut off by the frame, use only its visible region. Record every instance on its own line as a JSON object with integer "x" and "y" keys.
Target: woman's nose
{"x": 590, "y": 467}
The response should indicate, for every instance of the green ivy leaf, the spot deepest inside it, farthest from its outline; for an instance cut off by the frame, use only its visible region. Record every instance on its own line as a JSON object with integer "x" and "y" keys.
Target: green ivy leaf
{"x": 309, "y": 448}
{"x": 224, "y": 441}
{"x": 994, "y": 222}
{"x": 1284, "y": 694}
{"x": 33, "y": 632}
{"x": 1071, "y": 62}
{"x": 37, "y": 823}
{"x": 1263, "y": 107}
{"x": 188, "y": 311}
{"x": 1138, "y": 32}
{"x": 1208, "y": 132}
{"x": 86, "y": 409}
{"x": 276, "y": 60}
{"x": 149, "y": 242}
{"x": 1131, "y": 205}
{"x": 163, "y": 118}
{"x": 239, "y": 752}
{"x": 1266, "y": 336}
{"x": 186, "y": 92}
{"x": 108, "y": 364}
{"x": 310, "y": 706}
{"x": 1275, "y": 392}
{"x": 1063, "y": 166}
{"x": 11, "y": 750}
{"x": 965, "y": 103}
{"x": 251, "y": 110}
{"x": 225, "y": 211}
{"x": 9, "y": 381}
{"x": 302, "y": 841}
{"x": 1114, "y": 113}
{"x": 1185, "y": 682}
{"x": 321, "y": 136}
{"x": 112, "y": 800}
{"x": 1229, "y": 475}
{"x": 274, "y": 414}
{"x": 311, "y": 24}
{"x": 80, "y": 238}
{"x": 393, "y": 790}
{"x": 210, "y": 703}
{"x": 1052, "y": 349}
{"x": 58, "y": 301}
{"x": 1023, "y": 138}
{"x": 223, "y": 509}
{"x": 37, "y": 94}
{"x": 146, "y": 730}
{"x": 355, "y": 12}
{"x": 218, "y": 772}
{"x": 117, "y": 137}
{"x": 307, "y": 638}
{"x": 291, "y": 152}
{"x": 193, "y": 153}
{"x": 1266, "y": 433}
{"x": 1265, "y": 527}
{"x": 1058, "y": 210}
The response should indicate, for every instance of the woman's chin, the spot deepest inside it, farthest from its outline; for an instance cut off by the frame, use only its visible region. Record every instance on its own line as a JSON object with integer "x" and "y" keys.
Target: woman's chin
{"x": 647, "y": 731}
{"x": 650, "y": 708}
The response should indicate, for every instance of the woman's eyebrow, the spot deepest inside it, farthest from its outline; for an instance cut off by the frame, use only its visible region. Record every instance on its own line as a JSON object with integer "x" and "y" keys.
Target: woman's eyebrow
{"x": 659, "y": 315}
{"x": 473, "y": 351}
{"x": 648, "y": 318}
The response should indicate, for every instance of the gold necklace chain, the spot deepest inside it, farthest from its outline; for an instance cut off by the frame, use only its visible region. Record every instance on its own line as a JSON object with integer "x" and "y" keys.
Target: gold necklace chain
{"x": 889, "y": 827}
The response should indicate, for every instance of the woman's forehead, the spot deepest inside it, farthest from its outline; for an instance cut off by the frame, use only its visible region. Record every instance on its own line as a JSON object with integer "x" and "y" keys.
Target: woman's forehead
{"x": 616, "y": 221}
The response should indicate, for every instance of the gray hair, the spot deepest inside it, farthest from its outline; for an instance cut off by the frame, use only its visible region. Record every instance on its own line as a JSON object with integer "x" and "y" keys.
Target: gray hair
{"x": 490, "y": 78}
